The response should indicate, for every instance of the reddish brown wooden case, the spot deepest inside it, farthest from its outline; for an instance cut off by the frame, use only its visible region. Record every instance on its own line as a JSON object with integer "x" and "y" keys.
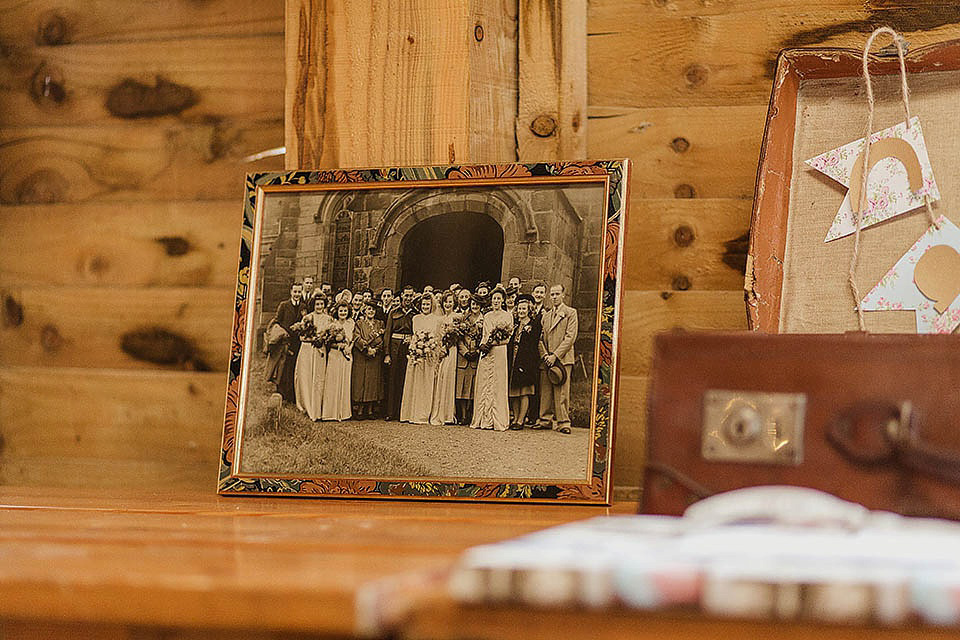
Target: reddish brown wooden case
{"x": 836, "y": 372}
{"x": 768, "y": 237}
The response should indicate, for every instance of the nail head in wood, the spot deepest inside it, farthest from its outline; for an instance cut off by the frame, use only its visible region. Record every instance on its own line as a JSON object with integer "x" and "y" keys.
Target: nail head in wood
{"x": 52, "y": 30}
{"x": 684, "y": 191}
{"x": 543, "y": 126}
{"x": 683, "y": 236}
{"x": 695, "y": 75}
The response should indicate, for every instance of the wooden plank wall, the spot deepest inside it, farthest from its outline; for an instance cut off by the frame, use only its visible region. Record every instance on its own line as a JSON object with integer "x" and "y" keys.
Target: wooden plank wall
{"x": 123, "y": 133}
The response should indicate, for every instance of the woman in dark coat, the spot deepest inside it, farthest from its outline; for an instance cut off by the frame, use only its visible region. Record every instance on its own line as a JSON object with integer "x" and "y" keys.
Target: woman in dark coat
{"x": 367, "y": 354}
{"x": 523, "y": 359}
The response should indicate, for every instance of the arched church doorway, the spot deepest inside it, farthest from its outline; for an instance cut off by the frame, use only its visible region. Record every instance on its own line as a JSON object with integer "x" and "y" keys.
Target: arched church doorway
{"x": 454, "y": 247}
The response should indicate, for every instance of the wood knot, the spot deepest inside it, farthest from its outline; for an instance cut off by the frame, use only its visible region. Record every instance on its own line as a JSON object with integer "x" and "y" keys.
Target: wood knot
{"x": 666, "y": 295}
{"x": 680, "y": 145}
{"x": 43, "y": 186}
{"x": 543, "y": 126}
{"x": 50, "y": 338}
{"x": 411, "y": 39}
{"x": 12, "y": 312}
{"x": 681, "y": 283}
{"x": 160, "y": 346}
{"x": 46, "y": 86}
{"x": 95, "y": 265}
{"x": 735, "y": 252}
{"x": 576, "y": 122}
{"x": 478, "y": 33}
{"x": 131, "y": 99}
{"x": 684, "y": 191}
{"x": 683, "y": 236}
{"x": 174, "y": 245}
{"x": 695, "y": 75}
{"x": 52, "y": 29}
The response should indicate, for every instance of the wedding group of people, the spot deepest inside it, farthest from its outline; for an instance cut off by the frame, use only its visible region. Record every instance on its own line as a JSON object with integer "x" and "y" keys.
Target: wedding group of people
{"x": 493, "y": 358}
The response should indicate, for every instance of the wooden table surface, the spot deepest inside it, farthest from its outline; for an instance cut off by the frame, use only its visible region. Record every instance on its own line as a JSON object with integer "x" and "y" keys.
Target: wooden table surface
{"x": 203, "y": 561}
{"x": 146, "y": 566}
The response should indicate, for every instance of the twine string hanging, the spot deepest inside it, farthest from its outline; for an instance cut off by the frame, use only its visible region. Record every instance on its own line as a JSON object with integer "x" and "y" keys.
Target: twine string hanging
{"x": 860, "y": 206}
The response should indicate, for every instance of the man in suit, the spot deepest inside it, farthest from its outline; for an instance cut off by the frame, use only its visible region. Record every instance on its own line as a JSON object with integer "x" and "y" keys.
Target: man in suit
{"x": 282, "y": 356}
{"x": 537, "y": 309}
{"x": 386, "y": 305}
{"x": 306, "y": 304}
{"x": 556, "y": 347}
{"x": 327, "y": 290}
{"x": 397, "y": 335}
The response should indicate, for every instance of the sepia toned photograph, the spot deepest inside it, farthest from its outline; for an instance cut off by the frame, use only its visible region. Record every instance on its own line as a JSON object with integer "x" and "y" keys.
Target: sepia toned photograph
{"x": 426, "y": 333}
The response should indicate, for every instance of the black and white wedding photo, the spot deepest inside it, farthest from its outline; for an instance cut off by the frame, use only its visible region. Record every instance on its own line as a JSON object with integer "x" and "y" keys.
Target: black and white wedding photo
{"x": 431, "y": 333}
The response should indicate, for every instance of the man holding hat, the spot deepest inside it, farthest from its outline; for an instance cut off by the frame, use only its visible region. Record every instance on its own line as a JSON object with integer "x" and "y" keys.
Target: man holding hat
{"x": 556, "y": 362}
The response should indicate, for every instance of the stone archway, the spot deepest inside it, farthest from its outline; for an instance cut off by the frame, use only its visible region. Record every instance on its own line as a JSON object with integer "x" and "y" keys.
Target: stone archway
{"x": 463, "y": 247}
{"x": 419, "y": 206}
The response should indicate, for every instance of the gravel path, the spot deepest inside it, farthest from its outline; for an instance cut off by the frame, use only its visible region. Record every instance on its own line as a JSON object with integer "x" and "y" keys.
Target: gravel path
{"x": 462, "y": 452}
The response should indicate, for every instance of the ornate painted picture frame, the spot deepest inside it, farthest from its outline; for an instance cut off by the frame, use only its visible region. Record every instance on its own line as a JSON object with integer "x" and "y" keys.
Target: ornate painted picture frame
{"x": 443, "y": 333}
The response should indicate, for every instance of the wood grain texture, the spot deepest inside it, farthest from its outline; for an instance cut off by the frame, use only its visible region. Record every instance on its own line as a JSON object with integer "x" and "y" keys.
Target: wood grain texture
{"x": 124, "y": 161}
{"x": 493, "y": 80}
{"x": 552, "y": 72}
{"x": 109, "y": 327}
{"x": 192, "y": 560}
{"x": 108, "y": 428}
{"x": 373, "y": 85}
{"x": 215, "y": 79}
{"x": 684, "y": 152}
{"x": 681, "y": 244}
{"x": 630, "y": 436}
{"x": 647, "y": 312}
{"x": 47, "y": 630}
{"x": 29, "y": 23}
{"x": 692, "y": 53}
{"x": 143, "y": 244}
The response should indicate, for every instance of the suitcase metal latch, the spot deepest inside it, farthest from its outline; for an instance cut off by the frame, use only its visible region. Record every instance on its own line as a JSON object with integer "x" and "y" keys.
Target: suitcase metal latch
{"x": 753, "y": 427}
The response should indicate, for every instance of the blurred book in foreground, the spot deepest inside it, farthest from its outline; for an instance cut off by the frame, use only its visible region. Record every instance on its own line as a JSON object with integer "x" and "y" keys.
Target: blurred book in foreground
{"x": 773, "y": 553}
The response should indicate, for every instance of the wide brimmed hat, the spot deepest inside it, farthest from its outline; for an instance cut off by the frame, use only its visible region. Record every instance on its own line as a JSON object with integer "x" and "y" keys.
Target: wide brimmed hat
{"x": 557, "y": 374}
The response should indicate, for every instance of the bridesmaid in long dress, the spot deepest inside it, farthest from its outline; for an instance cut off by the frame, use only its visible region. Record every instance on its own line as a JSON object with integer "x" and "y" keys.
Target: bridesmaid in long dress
{"x": 443, "y": 410}
{"x": 308, "y": 376}
{"x": 490, "y": 408}
{"x": 336, "y": 387}
{"x": 418, "y": 382}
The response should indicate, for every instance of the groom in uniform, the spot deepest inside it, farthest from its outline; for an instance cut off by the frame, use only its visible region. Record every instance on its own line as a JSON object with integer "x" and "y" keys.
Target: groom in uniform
{"x": 397, "y": 333}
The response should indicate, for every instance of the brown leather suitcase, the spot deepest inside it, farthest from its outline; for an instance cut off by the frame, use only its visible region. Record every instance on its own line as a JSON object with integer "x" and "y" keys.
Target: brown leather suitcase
{"x": 870, "y": 418}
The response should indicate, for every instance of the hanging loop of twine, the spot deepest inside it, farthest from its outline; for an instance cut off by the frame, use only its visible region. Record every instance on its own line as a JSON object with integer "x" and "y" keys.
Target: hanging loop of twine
{"x": 860, "y": 207}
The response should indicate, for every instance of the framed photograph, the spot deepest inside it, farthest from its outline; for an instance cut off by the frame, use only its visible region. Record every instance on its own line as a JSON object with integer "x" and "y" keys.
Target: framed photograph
{"x": 440, "y": 333}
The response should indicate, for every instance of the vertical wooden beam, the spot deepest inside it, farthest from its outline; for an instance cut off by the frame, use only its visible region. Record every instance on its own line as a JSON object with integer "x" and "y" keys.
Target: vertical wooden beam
{"x": 374, "y": 83}
{"x": 552, "y": 111}
{"x": 493, "y": 81}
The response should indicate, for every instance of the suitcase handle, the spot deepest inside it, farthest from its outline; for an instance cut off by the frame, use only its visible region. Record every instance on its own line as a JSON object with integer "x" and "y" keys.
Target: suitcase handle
{"x": 889, "y": 439}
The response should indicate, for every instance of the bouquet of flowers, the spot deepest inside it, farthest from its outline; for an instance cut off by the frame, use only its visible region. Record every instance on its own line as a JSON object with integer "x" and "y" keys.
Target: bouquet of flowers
{"x": 334, "y": 338}
{"x": 424, "y": 346}
{"x": 468, "y": 331}
{"x": 498, "y": 335}
{"x": 306, "y": 328}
